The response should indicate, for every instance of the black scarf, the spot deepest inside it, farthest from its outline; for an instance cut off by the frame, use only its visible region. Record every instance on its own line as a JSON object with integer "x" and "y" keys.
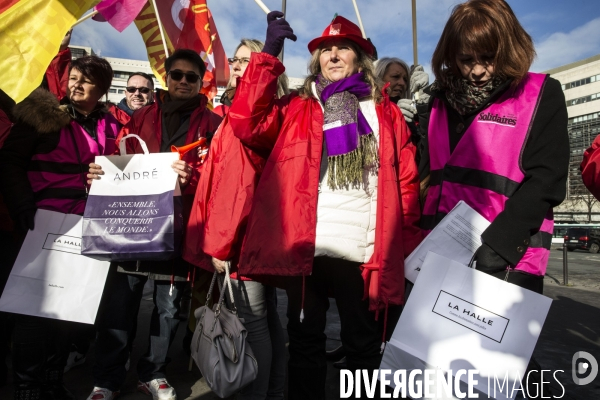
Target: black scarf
{"x": 88, "y": 122}
{"x": 462, "y": 95}
{"x": 174, "y": 110}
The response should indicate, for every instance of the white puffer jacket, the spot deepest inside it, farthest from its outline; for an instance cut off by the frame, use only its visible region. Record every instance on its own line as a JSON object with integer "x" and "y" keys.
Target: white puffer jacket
{"x": 346, "y": 218}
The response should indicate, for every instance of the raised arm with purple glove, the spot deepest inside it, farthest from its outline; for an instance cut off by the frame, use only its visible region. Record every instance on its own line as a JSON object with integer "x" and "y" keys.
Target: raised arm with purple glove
{"x": 278, "y": 30}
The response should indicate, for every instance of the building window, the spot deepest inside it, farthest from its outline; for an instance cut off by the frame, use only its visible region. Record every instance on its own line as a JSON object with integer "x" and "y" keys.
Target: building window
{"x": 121, "y": 75}
{"x": 584, "y": 99}
{"x": 111, "y": 90}
{"x": 581, "y": 82}
{"x": 77, "y": 53}
{"x": 582, "y": 118}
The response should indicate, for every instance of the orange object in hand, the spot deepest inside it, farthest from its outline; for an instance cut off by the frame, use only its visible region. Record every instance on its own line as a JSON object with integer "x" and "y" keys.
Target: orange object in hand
{"x": 184, "y": 149}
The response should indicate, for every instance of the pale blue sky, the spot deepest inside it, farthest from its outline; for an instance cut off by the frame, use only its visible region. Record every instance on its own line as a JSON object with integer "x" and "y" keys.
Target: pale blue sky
{"x": 564, "y": 31}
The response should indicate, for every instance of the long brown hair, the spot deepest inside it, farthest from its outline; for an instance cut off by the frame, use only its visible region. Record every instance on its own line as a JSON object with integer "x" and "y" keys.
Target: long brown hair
{"x": 482, "y": 26}
{"x": 365, "y": 65}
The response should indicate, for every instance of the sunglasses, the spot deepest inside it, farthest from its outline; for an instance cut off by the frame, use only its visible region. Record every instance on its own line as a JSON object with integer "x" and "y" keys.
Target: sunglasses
{"x": 242, "y": 61}
{"x": 133, "y": 89}
{"x": 190, "y": 77}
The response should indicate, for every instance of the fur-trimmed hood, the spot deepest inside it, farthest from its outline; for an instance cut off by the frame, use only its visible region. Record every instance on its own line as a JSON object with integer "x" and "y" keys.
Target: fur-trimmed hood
{"x": 42, "y": 110}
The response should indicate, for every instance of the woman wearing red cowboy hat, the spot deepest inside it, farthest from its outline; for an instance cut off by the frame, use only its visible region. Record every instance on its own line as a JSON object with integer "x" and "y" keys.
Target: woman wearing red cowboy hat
{"x": 336, "y": 207}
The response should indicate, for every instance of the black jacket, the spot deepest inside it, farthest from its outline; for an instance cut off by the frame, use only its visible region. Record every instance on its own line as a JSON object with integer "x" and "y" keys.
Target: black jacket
{"x": 545, "y": 161}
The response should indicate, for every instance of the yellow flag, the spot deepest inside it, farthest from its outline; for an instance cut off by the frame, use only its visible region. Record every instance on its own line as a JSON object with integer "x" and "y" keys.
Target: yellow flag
{"x": 30, "y": 35}
{"x": 147, "y": 24}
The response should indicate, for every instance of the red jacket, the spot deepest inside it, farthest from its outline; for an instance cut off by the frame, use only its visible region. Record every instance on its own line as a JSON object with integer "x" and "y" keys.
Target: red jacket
{"x": 223, "y": 200}
{"x": 590, "y": 168}
{"x": 281, "y": 227}
{"x": 57, "y": 73}
{"x": 119, "y": 114}
{"x": 221, "y": 110}
{"x": 147, "y": 123}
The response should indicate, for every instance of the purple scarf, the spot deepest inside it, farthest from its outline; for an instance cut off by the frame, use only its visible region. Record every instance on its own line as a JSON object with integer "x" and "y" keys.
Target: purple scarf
{"x": 349, "y": 139}
{"x": 342, "y": 113}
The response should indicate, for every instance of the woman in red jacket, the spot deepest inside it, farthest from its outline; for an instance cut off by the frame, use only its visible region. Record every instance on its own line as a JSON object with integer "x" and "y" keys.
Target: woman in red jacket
{"x": 216, "y": 229}
{"x": 336, "y": 205}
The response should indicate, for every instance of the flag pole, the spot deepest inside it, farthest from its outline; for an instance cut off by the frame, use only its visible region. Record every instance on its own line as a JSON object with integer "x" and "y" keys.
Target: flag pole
{"x": 362, "y": 28}
{"x": 82, "y": 19}
{"x": 262, "y": 6}
{"x": 415, "y": 51}
{"x": 414, "y": 26}
{"x": 160, "y": 28}
{"x": 283, "y": 6}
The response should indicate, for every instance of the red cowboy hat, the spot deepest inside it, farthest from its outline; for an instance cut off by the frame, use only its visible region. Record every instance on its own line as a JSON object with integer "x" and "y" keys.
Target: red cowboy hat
{"x": 340, "y": 27}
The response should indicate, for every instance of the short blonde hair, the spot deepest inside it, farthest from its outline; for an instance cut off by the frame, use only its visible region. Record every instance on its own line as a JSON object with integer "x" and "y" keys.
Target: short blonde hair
{"x": 256, "y": 46}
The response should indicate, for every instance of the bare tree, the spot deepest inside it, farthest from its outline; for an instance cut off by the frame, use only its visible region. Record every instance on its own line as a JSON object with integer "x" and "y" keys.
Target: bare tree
{"x": 581, "y": 196}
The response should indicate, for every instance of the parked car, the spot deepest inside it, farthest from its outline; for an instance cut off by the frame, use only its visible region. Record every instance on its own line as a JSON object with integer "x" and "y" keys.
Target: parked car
{"x": 583, "y": 238}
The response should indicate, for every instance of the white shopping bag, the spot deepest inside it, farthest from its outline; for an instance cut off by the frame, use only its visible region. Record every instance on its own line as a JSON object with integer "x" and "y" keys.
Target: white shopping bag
{"x": 134, "y": 212}
{"x": 50, "y": 277}
{"x": 460, "y": 318}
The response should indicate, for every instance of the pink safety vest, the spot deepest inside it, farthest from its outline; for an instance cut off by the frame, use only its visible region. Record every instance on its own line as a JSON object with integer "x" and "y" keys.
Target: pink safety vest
{"x": 485, "y": 170}
{"x": 59, "y": 178}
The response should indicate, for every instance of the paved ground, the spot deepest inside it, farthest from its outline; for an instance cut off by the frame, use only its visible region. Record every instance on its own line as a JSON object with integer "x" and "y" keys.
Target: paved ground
{"x": 584, "y": 268}
{"x": 573, "y": 325}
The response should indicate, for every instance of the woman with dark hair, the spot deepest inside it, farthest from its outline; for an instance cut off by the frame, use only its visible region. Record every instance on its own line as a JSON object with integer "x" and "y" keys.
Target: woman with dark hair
{"x": 496, "y": 138}
{"x": 335, "y": 209}
{"x": 43, "y": 164}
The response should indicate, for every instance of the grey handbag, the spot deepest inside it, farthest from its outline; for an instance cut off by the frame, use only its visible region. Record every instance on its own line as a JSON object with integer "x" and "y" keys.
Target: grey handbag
{"x": 219, "y": 345}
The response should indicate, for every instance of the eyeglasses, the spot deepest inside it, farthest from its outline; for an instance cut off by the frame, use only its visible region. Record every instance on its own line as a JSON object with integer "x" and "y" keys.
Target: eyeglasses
{"x": 242, "y": 61}
{"x": 133, "y": 89}
{"x": 189, "y": 76}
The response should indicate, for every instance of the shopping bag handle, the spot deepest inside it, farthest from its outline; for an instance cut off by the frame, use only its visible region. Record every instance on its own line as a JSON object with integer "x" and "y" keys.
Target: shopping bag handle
{"x": 123, "y": 148}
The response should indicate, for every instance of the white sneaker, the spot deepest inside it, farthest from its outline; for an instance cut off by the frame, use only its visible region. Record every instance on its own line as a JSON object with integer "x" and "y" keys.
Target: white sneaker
{"x": 159, "y": 389}
{"x": 102, "y": 394}
{"x": 75, "y": 359}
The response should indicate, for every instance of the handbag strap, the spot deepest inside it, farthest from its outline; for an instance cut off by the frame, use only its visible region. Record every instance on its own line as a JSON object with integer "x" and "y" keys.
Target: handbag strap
{"x": 229, "y": 286}
{"x": 226, "y": 288}
{"x": 210, "y": 289}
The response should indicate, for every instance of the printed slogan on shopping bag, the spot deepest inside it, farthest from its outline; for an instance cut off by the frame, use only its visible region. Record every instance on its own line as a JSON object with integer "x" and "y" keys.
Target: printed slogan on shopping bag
{"x": 134, "y": 211}
{"x": 131, "y": 216}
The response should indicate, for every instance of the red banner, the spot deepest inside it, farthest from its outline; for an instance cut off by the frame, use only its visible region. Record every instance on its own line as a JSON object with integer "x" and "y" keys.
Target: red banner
{"x": 188, "y": 25}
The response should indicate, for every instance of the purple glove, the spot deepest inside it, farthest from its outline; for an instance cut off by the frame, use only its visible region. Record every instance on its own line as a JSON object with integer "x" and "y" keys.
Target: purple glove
{"x": 277, "y": 31}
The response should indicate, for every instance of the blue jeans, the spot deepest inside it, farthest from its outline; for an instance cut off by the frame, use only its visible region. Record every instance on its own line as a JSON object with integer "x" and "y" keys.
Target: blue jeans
{"x": 116, "y": 322}
{"x": 257, "y": 305}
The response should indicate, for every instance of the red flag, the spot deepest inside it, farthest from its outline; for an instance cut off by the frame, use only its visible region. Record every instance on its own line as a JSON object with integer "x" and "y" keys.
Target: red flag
{"x": 189, "y": 25}
{"x": 199, "y": 33}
